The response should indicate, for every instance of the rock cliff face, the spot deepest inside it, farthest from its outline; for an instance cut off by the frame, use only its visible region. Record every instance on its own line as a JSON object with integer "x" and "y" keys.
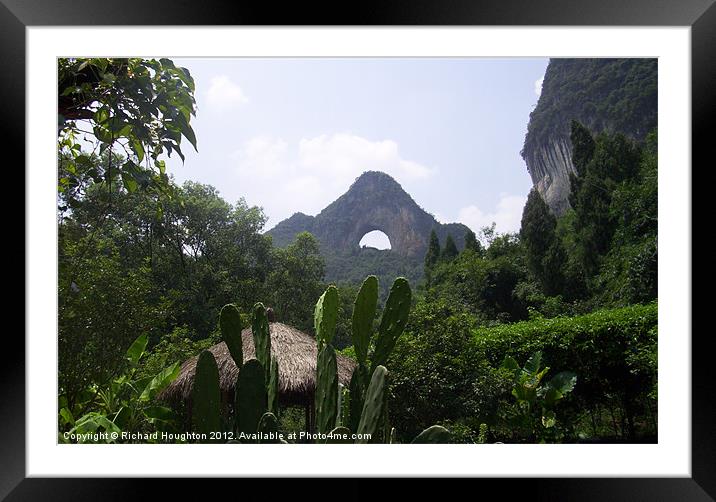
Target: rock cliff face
{"x": 614, "y": 95}
{"x": 375, "y": 201}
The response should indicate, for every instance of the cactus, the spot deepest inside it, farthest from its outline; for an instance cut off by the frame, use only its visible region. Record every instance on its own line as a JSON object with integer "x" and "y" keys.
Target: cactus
{"x": 325, "y": 316}
{"x": 326, "y": 389}
{"x": 339, "y": 405}
{"x": 250, "y": 398}
{"x": 268, "y": 425}
{"x": 434, "y": 434}
{"x": 363, "y": 315}
{"x": 386, "y": 419}
{"x": 395, "y": 317}
{"x": 374, "y": 405}
{"x": 272, "y": 389}
{"x": 262, "y": 338}
{"x": 206, "y": 395}
{"x": 356, "y": 396}
{"x": 230, "y": 326}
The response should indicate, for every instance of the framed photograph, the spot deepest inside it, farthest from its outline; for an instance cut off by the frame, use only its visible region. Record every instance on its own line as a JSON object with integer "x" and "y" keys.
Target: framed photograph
{"x": 424, "y": 242}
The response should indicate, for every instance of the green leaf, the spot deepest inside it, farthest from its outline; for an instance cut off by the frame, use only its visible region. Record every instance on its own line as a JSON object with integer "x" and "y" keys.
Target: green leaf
{"x": 136, "y": 350}
{"x": 564, "y": 381}
{"x": 103, "y": 135}
{"x": 160, "y": 381}
{"x": 119, "y": 128}
{"x": 186, "y": 129}
{"x": 107, "y": 424}
{"x": 159, "y": 413}
{"x": 84, "y": 161}
{"x": 121, "y": 418}
{"x": 129, "y": 182}
{"x": 138, "y": 149}
{"x": 102, "y": 115}
{"x": 510, "y": 364}
{"x": 533, "y": 363}
{"x": 67, "y": 416}
{"x": 85, "y": 424}
{"x": 549, "y": 419}
{"x": 166, "y": 63}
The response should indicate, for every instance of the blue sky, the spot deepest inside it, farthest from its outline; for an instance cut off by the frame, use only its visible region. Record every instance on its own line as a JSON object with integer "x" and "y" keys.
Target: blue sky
{"x": 291, "y": 135}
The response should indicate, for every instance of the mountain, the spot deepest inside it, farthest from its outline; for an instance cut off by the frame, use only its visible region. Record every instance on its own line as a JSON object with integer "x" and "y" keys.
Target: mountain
{"x": 615, "y": 95}
{"x": 374, "y": 201}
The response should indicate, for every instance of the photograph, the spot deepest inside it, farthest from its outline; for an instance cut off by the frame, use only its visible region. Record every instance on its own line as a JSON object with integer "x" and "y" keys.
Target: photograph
{"x": 351, "y": 250}
{"x": 448, "y": 242}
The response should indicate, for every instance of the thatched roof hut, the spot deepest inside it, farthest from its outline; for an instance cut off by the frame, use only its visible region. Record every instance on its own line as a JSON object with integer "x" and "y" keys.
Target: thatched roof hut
{"x": 295, "y": 352}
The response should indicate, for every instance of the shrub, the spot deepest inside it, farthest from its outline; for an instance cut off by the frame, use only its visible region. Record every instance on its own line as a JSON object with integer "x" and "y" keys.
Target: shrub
{"x": 438, "y": 377}
{"x": 614, "y": 352}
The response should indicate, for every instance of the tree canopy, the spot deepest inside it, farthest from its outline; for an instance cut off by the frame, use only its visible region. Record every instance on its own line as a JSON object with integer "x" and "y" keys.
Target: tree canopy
{"x": 140, "y": 108}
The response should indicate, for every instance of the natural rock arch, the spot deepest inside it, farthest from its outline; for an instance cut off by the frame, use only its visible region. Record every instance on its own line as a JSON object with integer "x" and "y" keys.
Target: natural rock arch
{"x": 375, "y": 201}
{"x": 375, "y": 239}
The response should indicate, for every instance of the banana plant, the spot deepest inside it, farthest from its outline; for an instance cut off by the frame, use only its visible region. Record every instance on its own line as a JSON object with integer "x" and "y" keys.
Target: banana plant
{"x": 125, "y": 403}
{"x": 534, "y": 412}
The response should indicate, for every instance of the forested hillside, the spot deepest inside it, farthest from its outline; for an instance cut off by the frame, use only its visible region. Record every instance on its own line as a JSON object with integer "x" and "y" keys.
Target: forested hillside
{"x": 375, "y": 201}
{"x": 611, "y": 95}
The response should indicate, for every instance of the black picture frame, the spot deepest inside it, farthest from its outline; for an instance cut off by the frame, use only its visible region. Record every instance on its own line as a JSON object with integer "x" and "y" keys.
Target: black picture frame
{"x": 700, "y": 15}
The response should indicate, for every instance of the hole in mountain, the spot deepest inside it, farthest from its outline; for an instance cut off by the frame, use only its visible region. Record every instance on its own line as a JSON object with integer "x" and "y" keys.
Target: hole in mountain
{"x": 375, "y": 239}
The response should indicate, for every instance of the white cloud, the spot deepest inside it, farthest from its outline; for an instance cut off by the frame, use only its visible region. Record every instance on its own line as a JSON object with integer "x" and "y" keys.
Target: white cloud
{"x": 507, "y": 215}
{"x": 262, "y": 156}
{"x": 309, "y": 175}
{"x": 223, "y": 93}
{"x": 347, "y": 155}
{"x": 538, "y": 86}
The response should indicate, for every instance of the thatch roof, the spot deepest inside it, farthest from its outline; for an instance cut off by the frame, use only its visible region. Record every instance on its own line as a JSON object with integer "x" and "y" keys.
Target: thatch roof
{"x": 294, "y": 351}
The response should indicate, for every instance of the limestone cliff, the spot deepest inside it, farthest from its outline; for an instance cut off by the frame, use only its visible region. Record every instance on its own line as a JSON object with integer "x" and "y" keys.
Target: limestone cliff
{"x": 615, "y": 95}
{"x": 375, "y": 201}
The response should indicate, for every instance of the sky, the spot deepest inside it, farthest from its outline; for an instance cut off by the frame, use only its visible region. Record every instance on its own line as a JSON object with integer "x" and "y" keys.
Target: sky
{"x": 292, "y": 134}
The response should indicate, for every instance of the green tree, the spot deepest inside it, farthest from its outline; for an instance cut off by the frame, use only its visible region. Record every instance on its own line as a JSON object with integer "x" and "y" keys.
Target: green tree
{"x": 471, "y": 242}
{"x": 141, "y": 107}
{"x": 484, "y": 285}
{"x": 295, "y": 281}
{"x": 450, "y": 251}
{"x": 433, "y": 253}
{"x": 100, "y": 311}
{"x": 614, "y": 159}
{"x": 436, "y": 373}
{"x": 582, "y": 147}
{"x": 629, "y": 271}
{"x": 543, "y": 251}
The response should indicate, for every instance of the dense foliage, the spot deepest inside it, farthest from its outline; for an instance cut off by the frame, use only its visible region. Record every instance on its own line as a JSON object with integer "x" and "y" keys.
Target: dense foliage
{"x": 546, "y": 290}
{"x": 604, "y": 94}
{"x": 352, "y": 268}
{"x": 142, "y": 106}
{"x": 449, "y": 370}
